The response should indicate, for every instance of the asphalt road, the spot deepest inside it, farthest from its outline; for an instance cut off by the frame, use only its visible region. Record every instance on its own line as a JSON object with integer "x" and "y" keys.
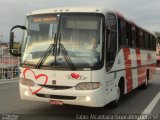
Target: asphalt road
{"x": 135, "y": 102}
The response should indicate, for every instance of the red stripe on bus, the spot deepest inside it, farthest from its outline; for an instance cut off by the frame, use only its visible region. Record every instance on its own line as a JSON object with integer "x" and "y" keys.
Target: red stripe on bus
{"x": 128, "y": 70}
{"x": 139, "y": 69}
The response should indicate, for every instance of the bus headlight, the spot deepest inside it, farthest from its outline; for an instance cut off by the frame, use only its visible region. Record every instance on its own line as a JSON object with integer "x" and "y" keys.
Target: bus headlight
{"x": 27, "y": 82}
{"x": 88, "y": 86}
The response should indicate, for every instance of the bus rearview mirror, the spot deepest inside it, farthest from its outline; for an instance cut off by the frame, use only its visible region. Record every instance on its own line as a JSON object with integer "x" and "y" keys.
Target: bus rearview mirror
{"x": 11, "y": 43}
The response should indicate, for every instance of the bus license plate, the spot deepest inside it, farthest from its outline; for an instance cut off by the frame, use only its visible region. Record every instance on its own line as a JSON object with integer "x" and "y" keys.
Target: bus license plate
{"x": 56, "y": 102}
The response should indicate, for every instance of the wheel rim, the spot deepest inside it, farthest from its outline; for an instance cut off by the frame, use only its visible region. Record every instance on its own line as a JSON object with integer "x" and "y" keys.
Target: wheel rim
{"x": 118, "y": 94}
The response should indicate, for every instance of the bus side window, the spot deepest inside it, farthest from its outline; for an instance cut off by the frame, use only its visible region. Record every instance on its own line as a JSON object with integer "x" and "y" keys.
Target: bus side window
{"x": 133, "y": 32}
{"x": 123, "y": 39}
{"x": 141, "y": 39}
{"x": 146, "y": 41}
{"x": 111, "y": 41}
{"x": 137, "y": 38}
{"x": 150, "y": 42}
{"x": 129, "y": 34}
{"x": 153, "y": 43}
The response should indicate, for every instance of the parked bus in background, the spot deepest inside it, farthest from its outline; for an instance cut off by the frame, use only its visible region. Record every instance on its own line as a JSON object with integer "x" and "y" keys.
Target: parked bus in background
{"x": 83, "y": 56}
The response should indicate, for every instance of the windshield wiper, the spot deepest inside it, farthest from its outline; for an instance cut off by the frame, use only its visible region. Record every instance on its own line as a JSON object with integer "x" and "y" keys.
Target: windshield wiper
{"x": 65, "y": 53}
{"x": 52, "y": 47}
{"x": 45, "y": 55}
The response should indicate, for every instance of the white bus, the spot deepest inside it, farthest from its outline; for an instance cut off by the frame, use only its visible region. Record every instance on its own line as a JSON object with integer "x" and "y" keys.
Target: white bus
{"x": 83, "y": 56}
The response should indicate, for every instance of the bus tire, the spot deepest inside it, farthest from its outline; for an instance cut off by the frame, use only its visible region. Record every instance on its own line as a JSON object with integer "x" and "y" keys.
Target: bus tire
{"x": 145, "y": 85}
{"x": 120, "y": 93}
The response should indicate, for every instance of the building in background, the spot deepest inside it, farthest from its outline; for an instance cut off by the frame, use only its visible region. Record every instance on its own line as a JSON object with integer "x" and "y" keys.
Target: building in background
{"x": 8, "y": 63}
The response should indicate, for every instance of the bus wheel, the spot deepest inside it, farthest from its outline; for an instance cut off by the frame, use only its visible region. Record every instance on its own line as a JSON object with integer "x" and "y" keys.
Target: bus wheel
{"x": 114, "y": 103}
{"x": 119, "y": 93}
{"x": 145, "y": 85}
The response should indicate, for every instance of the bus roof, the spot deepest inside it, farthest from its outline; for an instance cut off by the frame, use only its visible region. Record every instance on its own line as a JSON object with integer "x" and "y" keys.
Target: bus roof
{"x": 133, "y": 23}
{"x": 84, "y": 9}
{"x": 79, "y": 9}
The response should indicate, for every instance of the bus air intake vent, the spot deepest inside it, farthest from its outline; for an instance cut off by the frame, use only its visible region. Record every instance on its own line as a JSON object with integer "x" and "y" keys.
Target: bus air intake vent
{"x": 56, "y": 96}
{"x": 56, "y": 87}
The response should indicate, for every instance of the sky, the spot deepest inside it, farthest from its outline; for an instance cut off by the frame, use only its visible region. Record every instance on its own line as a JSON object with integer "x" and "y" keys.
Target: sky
{"x": 145, "y": 13}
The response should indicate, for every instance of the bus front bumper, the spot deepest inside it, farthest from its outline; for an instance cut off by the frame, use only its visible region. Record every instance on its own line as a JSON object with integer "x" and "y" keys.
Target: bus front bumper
{"x": 90, "y": 98}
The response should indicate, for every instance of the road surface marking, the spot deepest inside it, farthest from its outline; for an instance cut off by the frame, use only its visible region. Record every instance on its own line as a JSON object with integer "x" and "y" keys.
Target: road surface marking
{"x": 8, "y": 82}
{"x": 151, "y": 105}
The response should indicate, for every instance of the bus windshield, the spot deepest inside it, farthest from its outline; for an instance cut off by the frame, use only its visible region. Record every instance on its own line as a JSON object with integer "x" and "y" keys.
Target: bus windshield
{"x": 80, "y": 35}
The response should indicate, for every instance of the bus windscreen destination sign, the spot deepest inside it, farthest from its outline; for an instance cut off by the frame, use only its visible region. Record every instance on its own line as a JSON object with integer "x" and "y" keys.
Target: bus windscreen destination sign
{"x": 44, "y": 19}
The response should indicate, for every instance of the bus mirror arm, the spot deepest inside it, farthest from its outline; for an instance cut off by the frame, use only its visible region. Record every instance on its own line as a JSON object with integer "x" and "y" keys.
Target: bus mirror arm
{"x": 11, "y": 44}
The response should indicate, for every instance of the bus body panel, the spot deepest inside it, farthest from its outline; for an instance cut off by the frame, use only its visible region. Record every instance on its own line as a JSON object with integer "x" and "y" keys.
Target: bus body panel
{"x": 96, "y": 98}
{"x": 81, "y": 96}
{"x": 130, "y": 64}
{"x": 109, "y": 80}
{"x": 53, "y": 77}
{"x": 139, "y": 63}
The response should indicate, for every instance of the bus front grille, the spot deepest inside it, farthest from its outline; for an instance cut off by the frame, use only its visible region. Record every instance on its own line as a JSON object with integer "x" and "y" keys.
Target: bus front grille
{"x": 56, "y": 87}
{"x": 56, "y": 96}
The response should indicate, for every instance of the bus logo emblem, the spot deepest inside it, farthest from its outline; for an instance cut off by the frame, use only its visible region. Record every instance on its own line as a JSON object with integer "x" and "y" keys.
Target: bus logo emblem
{"x": 53, "y": 82}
